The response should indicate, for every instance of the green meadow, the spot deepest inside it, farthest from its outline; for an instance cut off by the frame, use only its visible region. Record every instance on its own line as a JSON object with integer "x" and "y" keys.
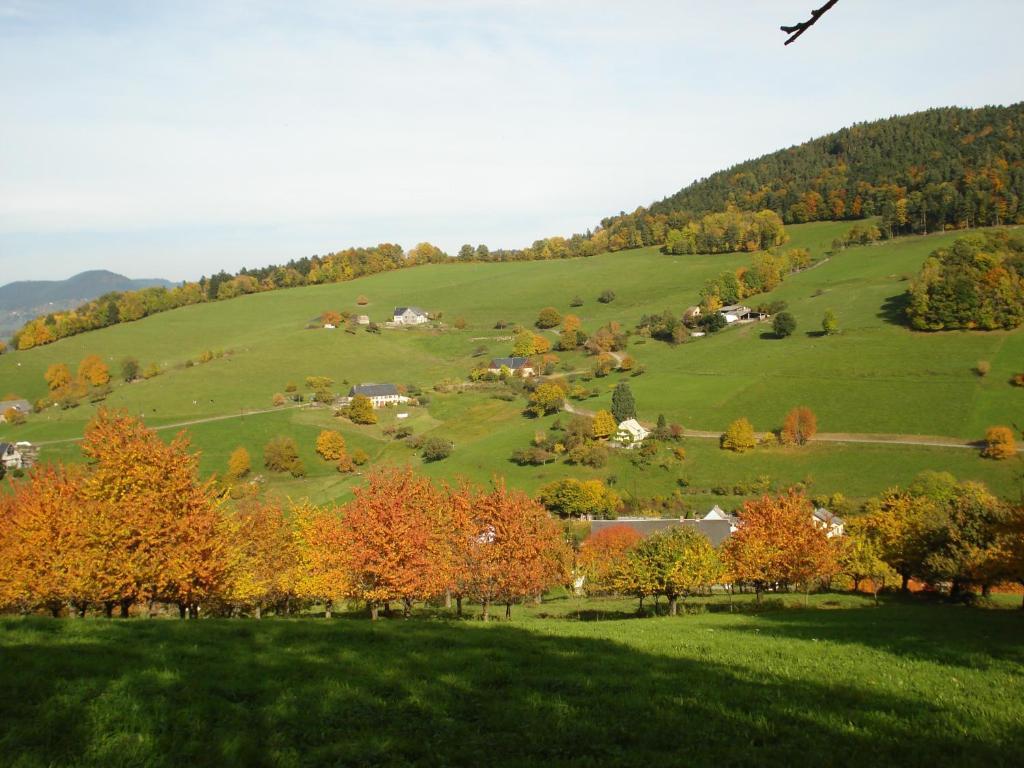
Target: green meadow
{"x": 566, "y": 682}
{"x": 875, "y": 376}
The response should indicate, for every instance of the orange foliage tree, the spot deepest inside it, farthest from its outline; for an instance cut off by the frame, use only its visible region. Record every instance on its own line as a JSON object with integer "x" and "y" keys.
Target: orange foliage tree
{"x": 778, "y": 544}
{"x": 800, "y": 426}
{"x": 321, "y": 556}
{"x": 93, "y": 372}
{"x": 263, "y": 560}
{"x": 602, "y": 554}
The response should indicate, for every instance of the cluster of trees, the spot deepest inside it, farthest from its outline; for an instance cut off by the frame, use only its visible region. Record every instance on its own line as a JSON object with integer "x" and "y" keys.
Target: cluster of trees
{"x": 798, "y": 428}
{"x": 90, "y": 380}
{"x": 137, "y": 526}
{"x": 977, "y": 283}
{"x": 940, "y": 531}
{"x": 777, "y": 546}
{"x": 766, "y": 271}
{"x": 728, "y": 231}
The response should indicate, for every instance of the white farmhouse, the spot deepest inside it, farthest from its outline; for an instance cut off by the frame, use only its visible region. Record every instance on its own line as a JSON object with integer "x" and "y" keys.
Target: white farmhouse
{"x": 832, "y": 524}
{"x": 519, "y": 366}
{"x": 410, "y": 316}
{"x": 380, "y": 394}
{"x": 631, "y": 433}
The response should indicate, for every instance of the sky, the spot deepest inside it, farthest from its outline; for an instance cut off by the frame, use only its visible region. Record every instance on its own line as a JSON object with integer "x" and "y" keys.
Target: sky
{"x": 177, "y": 139}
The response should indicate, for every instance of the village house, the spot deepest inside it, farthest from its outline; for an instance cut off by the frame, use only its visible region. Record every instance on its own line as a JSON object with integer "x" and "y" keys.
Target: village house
{"x": 10, "y": 456}
{"x": 740, "y": 313}
{"x": 410, "y": 316}
{"x": 831, "y": 523}
{"x": 380, "y": 394}
{"x": 631, "y": 433}
{"x": 519, "y": 366}
{"x": 691, "y": 314}
{"x": 22, "y": 406}
{"x": 362, "y": 319}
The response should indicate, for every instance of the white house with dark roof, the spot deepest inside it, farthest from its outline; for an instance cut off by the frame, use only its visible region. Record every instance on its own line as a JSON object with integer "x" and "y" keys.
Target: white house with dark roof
{"x": 831, "y": 523}
{"x": 380, "y": 394}
{"x": 519, "y": 366}
{"x": 410, "y": 316}
{"x": 10, "y": 456}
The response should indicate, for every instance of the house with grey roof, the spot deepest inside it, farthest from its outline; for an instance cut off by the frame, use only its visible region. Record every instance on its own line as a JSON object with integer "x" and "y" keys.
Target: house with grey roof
{"x": 832, "y": 524}
{"x": 519, "y": 366}
{"x": 22, "y": 406}
{"x": 716, "y": 531}
{"x": 410, "y": 316}
{"x": 380, "y": 395}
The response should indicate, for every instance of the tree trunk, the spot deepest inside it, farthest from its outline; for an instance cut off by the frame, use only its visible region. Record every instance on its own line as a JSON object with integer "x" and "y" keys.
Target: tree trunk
{"x": 373, "y": 612}
{"x": 875, "y": 592}
{"x": 905, "y": 582}
{"x": 640, "y": 610}
{"x": 508, "y": 610}
{"x": 757, "y": 594}
{"x": 448, "y": 599}
{"x": 486, "y": 605}
{"x": 458, "y": 606}
{"x": 387, "y": 609}
{"x": 108, "y": 609}
{"x": 126, "y": 603}
{"x": 406, "y": 607}
{"x": 538, "y": 598}
{"x": 182, "y": 611}
{"x": 673, "y": 605}
{"x": 259, "y": 612}
{"x": 856, "y": 584}
{"x": 55, "y": 609}
{"x": 327, "y": 609}
{"x": 986, "y": 590}
{"x": 80, "y": 608}
{"x": 193, "y": 611}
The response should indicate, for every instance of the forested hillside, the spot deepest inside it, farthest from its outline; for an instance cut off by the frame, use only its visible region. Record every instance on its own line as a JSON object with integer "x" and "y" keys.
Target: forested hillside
{"x": 943, "y": 168}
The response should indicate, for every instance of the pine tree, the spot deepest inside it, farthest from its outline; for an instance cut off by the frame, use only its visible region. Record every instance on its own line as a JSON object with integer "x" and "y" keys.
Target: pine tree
{"x": 623, "y": 405}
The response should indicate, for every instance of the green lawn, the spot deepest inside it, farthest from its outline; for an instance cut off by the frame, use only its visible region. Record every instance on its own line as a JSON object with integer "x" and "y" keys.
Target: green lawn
{"x": 839, "y": 684}
{"x": 874, "y": 377}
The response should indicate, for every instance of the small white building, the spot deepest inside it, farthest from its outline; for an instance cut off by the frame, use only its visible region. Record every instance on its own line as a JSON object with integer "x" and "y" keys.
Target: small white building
{"x": 362, "y": 319}
{"x": 519, "y": 366}
{"x": 24, "y": 407}
{"x": 410, "y": 316}
{"x": 380, "y": 394}
{"x": 631, "y": 433}
{"x": 328, "y": 327}
{"x": 833, "y": 525}
{"x": 10, "y": 456}
{"x": 717, "y": 513}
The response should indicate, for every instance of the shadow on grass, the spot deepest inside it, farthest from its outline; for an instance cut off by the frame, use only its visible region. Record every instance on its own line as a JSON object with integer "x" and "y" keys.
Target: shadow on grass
{"x": 894, "y": 309}
{"x": 351, "y": 693}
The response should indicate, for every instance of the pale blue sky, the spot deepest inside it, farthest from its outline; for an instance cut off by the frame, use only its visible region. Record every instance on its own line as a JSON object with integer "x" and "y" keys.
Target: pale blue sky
{"x": 174, "y": 139}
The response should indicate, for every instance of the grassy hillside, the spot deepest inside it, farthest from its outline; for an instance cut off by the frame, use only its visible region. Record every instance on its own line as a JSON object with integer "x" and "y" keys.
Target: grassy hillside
{"x": 839, "y": 684}
{"x": 874, "y": 377}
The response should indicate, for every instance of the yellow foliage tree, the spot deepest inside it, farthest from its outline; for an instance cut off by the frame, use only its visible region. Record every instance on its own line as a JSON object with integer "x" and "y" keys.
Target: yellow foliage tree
{"x": 93, "y": 371}
{"x": 330, "y": 445}
{"x": 604, "y": 424}
{"x": 57, "y": 376}
{"x": 739, "y": 436}
{"x": 999, "y": 443}
{"x": 239, "y": 464}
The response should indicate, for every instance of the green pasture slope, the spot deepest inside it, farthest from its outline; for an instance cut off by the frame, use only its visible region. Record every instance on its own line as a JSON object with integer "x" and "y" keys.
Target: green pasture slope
{"x": 874, "y": 377}
{"x": 563, "y": 683}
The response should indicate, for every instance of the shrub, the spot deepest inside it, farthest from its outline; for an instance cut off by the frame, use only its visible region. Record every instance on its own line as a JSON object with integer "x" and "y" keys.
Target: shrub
{"x": 1017, "y": 380}
{"x": 436, "y": 449}
{"x": 549, "y": 317}
{"x": 152, "y": 371}
{"x": 983, "y": 368}
{"x": 330, "y": 445}
{"x": 711, "y": 322}
{"x": 783, "y": 324}
{"x": 362, "y": 301}
{"x": 13, "y": 416}
{"x": 130, "y": 369}
{"x": 999, "y": 443}
{"x": 360, "y": 457}
{"x": 739, "y": 436}
{"x": 576, "y": 301}
{"x": 460, "y": 323}
{"x": 606, "y": 297}
{"x": 281, "y": 454}
{"x": 535, "y": 456}
{"x": 278, "y": 399}
{"x": 830, "y": 323}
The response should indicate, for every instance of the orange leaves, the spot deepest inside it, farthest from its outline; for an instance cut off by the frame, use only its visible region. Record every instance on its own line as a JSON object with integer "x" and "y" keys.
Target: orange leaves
{"x": 778, "y": 542}
{"x": 603, "y": 553}
{"x": 800, "y": 426}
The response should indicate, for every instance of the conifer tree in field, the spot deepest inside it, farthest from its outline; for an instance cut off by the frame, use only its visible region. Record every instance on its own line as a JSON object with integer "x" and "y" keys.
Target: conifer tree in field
{"x": 623, "y": 405}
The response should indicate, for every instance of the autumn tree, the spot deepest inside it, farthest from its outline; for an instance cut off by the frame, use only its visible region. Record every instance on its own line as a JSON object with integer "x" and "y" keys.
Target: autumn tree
{"x": 777, "y": 542}
{"x": 999, "y": 443}
{"x": 281, "y": 454}
{"x": 860, "y": 558}
{"x": 679, "y": 562}
{"x": 321, "y": 556}
{"x": 93, "y": 372}
{"x": 604, "y": 425}
{"x": 603, "y": 554}
{"x": 239, "y": 464}
{"x": 574, "y": 498}
{"x": 361, "y": 411}
{"x": 546, "y": 398}
{"x": 898, "y": 524}
{"x": 829, "y": 323}
{"x": 800, "y": 426}
{"x": 57, "y": 376}
{"x": 263, "y": 559}
{"x": 548, "y": 317}
{"x": 391, "y": 529}
{"x": 516, "y": 551}
{"x": 330, "y": 445}
{"x": 130, "y": 369}
{"x": 739, "y": 436}
{"x": 330, "y": 317}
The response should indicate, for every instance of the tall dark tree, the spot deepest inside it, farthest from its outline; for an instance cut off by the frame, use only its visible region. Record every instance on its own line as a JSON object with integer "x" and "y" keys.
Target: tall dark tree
{"x": 623, "y": 405}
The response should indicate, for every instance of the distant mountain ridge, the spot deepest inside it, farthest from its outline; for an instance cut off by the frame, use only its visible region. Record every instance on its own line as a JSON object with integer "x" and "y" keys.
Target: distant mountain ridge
{"x": 25, "y": 295}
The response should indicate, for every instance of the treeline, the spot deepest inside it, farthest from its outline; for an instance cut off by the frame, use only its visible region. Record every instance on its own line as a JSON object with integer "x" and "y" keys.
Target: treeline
{"x": 944, "y": 534}
{"x": 732, "y": 230}
{"x": 976, "y": 283}
{"x": 136, "y": 526}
